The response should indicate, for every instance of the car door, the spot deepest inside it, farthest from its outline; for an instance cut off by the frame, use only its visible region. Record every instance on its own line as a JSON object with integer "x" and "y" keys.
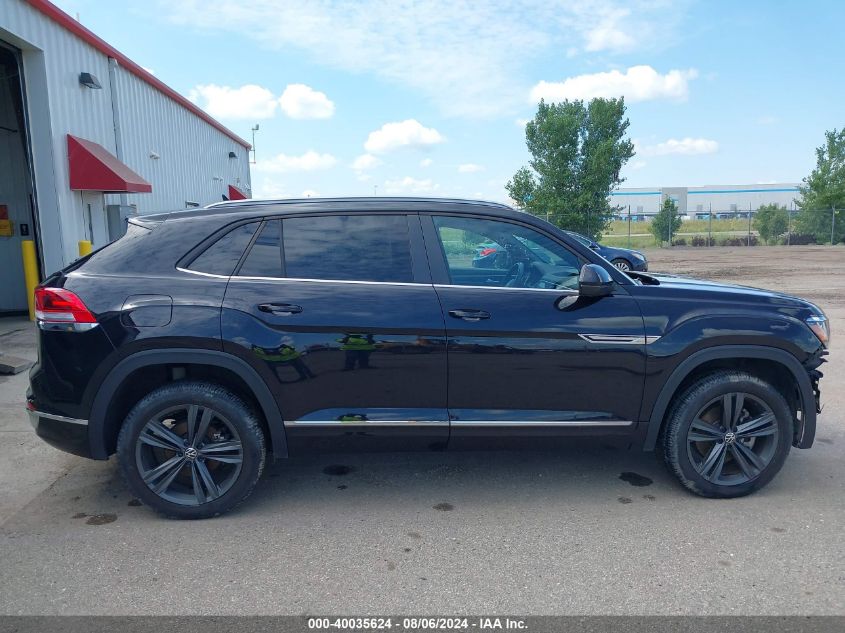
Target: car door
{"x": 339, "y": 312}
{"x": 528, "y": 356}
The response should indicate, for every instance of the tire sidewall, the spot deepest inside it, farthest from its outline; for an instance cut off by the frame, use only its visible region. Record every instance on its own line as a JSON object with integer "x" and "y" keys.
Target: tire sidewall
{"x": 697, "y": 398}
{"x": 203, "y": 394}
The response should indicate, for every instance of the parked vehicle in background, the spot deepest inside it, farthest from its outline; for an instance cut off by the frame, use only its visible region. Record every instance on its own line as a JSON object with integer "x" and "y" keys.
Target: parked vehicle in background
{"x": 624, "y": 259}
{"x": 255, "y": 332}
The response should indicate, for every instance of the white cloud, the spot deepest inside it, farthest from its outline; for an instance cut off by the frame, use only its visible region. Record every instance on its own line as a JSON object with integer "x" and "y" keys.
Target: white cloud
{"x": 465, "y": 57}
{"x": 521, "y": 122}
{"x": 269, "y": 189}
{"x": 310, "y": 193}
{"x": 638, "y": 83}
{"x": 309, "y": 161}
{"x": 149, "y": 70}
{"x": 469, "y": 168}
{"x": 685, "y": 146}
{"x": 426, "y": 162}
{"x": 638, "y": 164}
{"x": 408, "y": 133}
{"x": 247, "y": 102}
{"x": 299, "y": 101}
{"x": 365, "y": 162}
{"x": 410, "y": 185}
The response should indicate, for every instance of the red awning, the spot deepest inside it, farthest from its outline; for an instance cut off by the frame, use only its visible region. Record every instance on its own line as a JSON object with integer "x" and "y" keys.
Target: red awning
{"x": 236, "y": 194}
{"x": 93, "y": 168}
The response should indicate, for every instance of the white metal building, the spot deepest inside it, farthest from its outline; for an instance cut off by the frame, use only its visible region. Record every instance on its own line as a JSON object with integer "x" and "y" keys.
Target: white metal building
{"x": 698, "y": 202}
{"x": 87, "y": 138}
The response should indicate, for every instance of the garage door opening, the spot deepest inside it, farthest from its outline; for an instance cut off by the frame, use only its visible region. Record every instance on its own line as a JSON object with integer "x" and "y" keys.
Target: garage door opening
{"x": 16, "y": 184}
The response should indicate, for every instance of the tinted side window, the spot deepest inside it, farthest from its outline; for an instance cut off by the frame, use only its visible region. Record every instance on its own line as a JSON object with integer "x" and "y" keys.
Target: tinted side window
{"x": 221, "y": 257}
{"x": 265, "y": 255}
{"x": 348, "y": 247}
{"x": 483, "y": 252}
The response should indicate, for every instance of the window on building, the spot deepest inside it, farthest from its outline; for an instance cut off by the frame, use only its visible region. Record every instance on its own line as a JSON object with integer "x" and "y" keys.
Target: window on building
{"x": 348, "y": 247}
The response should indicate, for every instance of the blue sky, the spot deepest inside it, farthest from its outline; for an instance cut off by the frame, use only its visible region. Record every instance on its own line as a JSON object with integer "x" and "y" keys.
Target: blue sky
{"x": 429, "y": 98}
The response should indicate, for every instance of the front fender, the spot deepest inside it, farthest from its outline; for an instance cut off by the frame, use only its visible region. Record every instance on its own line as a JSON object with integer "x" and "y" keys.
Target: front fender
{"x": 656, "y": 412}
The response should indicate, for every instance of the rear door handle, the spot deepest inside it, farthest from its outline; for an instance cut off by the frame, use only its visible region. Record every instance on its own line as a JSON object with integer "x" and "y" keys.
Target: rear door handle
{"x": 280, "y": 308}
{"x": 469, "y": 315}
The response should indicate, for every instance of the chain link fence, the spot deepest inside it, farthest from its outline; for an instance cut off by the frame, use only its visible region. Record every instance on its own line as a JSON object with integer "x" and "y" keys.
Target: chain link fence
{"x": 731, "y": 227}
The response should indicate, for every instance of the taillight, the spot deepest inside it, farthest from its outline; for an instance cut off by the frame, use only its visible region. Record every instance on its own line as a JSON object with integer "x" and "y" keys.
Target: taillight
{"x": 57, "y": 305}
{"x": 487, "y": 251}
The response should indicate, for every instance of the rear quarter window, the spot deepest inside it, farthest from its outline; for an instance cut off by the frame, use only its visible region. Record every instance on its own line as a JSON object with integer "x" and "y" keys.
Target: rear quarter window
{"x": 223, "y": 255}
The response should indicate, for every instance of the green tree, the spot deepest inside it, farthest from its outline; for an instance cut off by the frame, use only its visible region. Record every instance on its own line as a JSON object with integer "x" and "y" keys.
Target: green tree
{"x": 771, "y": 221}
{"x": 578, "y": 151}
{"x": 823, "y": 190}
{"x": 667, "y": 222}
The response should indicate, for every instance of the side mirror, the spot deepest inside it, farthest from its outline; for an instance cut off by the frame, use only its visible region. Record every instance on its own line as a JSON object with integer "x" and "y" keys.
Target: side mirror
{"x": 594, "y": 281}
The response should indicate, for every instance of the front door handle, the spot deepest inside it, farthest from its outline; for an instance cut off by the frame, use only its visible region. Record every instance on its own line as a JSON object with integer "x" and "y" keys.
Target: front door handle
{"x": 280, "y": 309}
{"x": 469, "y": 315}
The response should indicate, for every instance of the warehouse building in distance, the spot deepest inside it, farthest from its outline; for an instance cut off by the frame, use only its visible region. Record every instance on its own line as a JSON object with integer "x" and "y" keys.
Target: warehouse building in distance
{"x": 724, "y": 201}
{"x": 87, "y": 138}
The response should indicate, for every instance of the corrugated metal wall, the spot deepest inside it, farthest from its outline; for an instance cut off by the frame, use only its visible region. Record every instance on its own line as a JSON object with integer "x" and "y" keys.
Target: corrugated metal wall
{"x": 194, "y": 163}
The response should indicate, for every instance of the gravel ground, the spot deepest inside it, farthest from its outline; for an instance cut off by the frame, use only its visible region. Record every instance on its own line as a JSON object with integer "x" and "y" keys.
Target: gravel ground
{"x": 530, "y": 533}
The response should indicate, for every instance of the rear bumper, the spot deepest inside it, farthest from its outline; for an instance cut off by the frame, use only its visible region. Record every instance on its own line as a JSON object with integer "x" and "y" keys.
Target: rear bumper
{"x": 66, "y": 434}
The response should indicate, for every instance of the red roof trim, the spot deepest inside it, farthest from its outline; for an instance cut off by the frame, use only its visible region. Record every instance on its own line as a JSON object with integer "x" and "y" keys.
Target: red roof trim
{"x": 93, "y": 168}
{"x": 63, "y": 19}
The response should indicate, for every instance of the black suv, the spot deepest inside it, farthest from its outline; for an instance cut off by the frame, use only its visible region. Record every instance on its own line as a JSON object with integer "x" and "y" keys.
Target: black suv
{"x": 203, "y": 340}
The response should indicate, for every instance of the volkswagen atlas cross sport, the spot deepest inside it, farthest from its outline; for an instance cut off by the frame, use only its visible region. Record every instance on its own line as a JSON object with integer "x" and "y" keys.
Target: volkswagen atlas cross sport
{"x": 205, "y": 340}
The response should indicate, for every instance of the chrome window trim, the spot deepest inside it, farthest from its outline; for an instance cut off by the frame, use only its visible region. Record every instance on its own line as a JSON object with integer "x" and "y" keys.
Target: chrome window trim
{"x": 34, "y": 415}
{"x": 559, "y": 291}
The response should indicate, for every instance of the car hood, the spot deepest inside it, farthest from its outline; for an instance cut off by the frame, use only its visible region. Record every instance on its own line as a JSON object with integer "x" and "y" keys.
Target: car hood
{"x": 680, "y": 285}
{"x": 609, "y": 252}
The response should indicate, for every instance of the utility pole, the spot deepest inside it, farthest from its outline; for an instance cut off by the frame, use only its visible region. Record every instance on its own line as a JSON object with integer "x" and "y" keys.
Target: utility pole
{"x": 629, "y": 226}
{"x": 254, "y": 130}
{"x": 832, "y": 222}
{"x": 748, "y": 242}
{"x": 710, "y": 226}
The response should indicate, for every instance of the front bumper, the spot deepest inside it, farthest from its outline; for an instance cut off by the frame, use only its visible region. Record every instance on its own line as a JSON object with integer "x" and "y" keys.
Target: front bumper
{"x": 66, "y": 434}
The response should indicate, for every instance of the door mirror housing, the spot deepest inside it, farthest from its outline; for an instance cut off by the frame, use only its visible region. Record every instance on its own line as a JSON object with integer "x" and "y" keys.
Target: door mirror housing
{"x": 594, "y": 281}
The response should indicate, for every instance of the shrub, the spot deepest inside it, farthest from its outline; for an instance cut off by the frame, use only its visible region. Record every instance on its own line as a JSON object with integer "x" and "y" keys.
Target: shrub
{"x": 799, "y": 239}
{"x": 702, "y": 240}
{"x": 681, "y": 241}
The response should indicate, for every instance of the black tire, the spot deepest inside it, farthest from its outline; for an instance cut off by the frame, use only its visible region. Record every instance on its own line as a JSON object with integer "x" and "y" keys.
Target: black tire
{"x": 622, "y": 264}
{"x": 204, "y": 482}
{"x": 762, "y": 429}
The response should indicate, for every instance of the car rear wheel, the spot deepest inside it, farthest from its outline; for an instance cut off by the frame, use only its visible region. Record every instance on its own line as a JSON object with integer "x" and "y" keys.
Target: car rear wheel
{"x": 191, "y": 450}
{"x": 728, "y": 434}
{"x": 621, "y": 264}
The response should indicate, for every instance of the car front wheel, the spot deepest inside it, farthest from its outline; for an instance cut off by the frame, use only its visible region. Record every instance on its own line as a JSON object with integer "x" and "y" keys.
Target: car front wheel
{"x": 191, "y": 450}
{"x": 728, "y": 434}
{"x": 621, "y": 264}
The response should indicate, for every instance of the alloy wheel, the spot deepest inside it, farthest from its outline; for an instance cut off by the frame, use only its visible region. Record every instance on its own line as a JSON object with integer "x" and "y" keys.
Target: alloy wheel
{"x": 732, "y": 439}
{"x": 622, "y": 265}
{"x": 189, "y": 454}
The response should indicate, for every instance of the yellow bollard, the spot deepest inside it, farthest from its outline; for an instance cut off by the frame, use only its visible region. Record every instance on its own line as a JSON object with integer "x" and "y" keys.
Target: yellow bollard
{"x": 30, "y": 274}
{"x": 84, "y": 248}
